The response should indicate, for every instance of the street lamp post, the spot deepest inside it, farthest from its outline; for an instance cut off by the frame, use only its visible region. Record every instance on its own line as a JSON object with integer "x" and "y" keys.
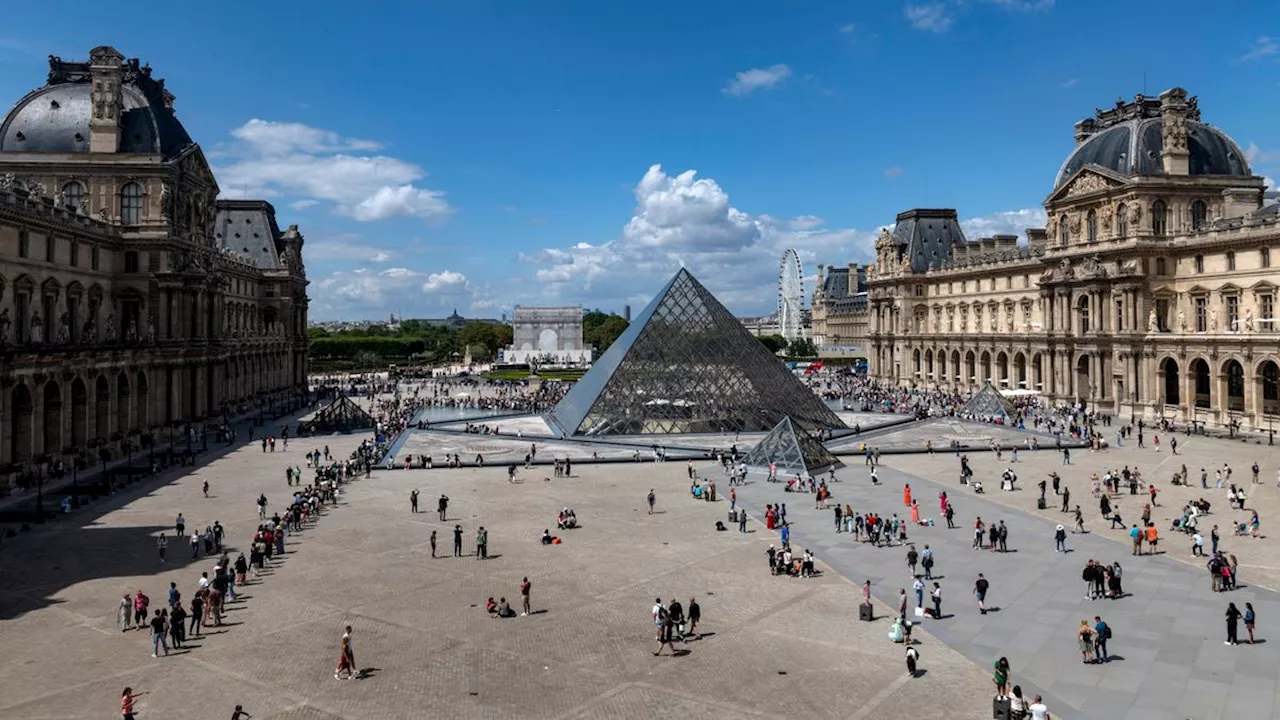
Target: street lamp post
{"x": 75, "y": 482}
{"x": 40, "y": 497}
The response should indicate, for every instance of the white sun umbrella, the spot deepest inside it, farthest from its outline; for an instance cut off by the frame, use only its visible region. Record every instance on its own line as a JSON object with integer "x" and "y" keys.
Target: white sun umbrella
{"x": 462, "y": 394}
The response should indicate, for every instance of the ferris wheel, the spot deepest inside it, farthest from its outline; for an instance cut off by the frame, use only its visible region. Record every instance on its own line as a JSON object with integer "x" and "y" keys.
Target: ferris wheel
{"x": 790, "y": 295}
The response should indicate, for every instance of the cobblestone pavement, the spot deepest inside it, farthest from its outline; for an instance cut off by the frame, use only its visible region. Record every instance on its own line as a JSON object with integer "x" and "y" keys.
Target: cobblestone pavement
{"x": 773, "y": 645}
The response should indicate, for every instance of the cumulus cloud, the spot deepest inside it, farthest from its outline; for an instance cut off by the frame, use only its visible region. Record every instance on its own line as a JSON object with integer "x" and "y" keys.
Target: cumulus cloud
{"x": 749, "y": 81}
{"x": 892, "y": 172}
{"x": 682, "y": 220}
{"x": 934, "y": 17}
{"x": 344, "y": 248}
{"x": 446, "y": 281}
{"x": 1024, "y": 5}
{"x": 316, "y": 166}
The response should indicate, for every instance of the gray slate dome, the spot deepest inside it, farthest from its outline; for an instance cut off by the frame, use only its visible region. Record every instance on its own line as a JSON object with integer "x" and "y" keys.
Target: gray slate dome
{"x": 55, "y": 118}
{"x": 1133, "y": 147}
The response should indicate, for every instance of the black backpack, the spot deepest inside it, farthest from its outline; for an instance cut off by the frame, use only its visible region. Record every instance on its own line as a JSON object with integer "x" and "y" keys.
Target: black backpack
{"x": 1106, "y": 632}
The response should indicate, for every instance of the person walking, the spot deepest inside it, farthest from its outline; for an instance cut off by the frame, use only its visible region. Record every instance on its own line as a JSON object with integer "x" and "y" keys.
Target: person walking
{"x": 742, "y": 520}
{"x": 652, "y": 499}
{"x": 346, "y": 661}
{"x": 525, "y": 587}
{"x": 918, "y": 587}
{"x": 1101, "y": 634}
{"x": 457, "y": 540}
{"x": 1079, "y": 526}
{"x": 1233, "y": 620}
{"x": 442, "y": 506}
{"x": 433, "y": 543}
{"x": 926, "y": 561}
{"x": 158, "y": 632}
{"x": 413, "y": 501}
{"x": 1060, "y": 539}
{"x": 980, "y": 587}
{"x": 1249, "y": 619}
{"x": 936, "y": 595}
{"x": 127, "y": 698}
{"x": 482, "y": 544}
{"x": 694, "y": 612}
{"x": 161, "y": 543}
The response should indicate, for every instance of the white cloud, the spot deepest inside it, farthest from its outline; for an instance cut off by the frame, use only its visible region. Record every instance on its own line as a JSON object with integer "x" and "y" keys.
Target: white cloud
{"x": 932, "y": 17}
{"x": 270, "y": 159}
{"x": 1255, "y": 154}
{"x": 846, "y": 29}
{"x": 1070, "y": 82}
{"x": 749, "y": 81}
{"x": 446, "y": 281}
{"x": 892, "y": 172}
{"x": 1008, "y": 222}
{"x": 344, "y": 248}
{"x": 1264, "y": 47}
{"x": 301, "y": 205}
{"x": 682, "y": 220}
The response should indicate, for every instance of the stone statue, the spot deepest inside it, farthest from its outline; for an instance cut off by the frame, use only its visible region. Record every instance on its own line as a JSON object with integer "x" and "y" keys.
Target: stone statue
{"x": 111, "y": 332}
{"x": 7, "y": 181}
{"x": 103, "y": 215}
{"x": 151, "y": 329}
{"x": 5, "y": 322}
{"x": 36, "y": 191}
{"x": 89, "y": 332}
{"x": 64, "y": 329}
{"x": 1153, "y": 323}
{"x": 84, "y": 207}
{"x": 1026, "y": 323}
{"x": 1135, "y": 215}
{"x": 164, "y": 199}
{"x": 37, "y": 328}
{"x": 1182, "y": 321}
{"x": 59, "y": 199}
{"x": 1213, "y": 319}
{"x": 1248, "y": 320}
{"x": 995, "y": 322}
{"x": 131, "y": 332}
{"x": 284, "y": 259}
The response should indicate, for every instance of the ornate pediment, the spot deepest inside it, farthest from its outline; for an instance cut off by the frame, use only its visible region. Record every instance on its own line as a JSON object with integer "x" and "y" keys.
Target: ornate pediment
{"x": 1088, "y": 180}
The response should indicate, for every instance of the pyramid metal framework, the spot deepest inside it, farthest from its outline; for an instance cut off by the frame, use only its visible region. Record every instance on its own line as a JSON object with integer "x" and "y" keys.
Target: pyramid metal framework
{"x": 988, "y": 402}
{"x": 792, "y": 451}
{"x": 686, "y": 365}
{"x": 342, "y": 415}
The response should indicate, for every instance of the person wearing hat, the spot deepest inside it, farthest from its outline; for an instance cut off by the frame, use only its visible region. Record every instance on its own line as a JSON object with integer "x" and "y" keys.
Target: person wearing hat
{"x": 1060, "y": 539}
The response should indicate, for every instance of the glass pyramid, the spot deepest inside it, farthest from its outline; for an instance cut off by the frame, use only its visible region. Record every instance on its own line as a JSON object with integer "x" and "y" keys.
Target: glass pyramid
{"x": 342, "y": 415}
{"x": 794, "y": 452}
{"x": 988, "y": 402}
{"x": 686, "y": 365}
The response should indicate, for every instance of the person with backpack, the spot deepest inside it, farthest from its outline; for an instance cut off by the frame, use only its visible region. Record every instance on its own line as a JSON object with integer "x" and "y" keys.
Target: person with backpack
{"x": 1102, "y": 633}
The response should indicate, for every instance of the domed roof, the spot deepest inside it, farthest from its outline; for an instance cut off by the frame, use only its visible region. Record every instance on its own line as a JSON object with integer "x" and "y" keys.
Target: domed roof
{"x": 55, "y": 118}
{"x": 1133, "y": 147}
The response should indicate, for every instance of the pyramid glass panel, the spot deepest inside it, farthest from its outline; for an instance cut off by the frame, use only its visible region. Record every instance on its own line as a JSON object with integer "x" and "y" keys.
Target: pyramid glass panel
{"x": 988, "y": 402}
{"x": 685, "y": 364}
{"x": 343, "y": 414}
{"x": 792, "y": 451}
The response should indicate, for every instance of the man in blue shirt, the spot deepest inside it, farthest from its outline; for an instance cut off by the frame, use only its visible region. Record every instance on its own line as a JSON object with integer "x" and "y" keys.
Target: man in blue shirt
{"x": 175, "y": 597}
{"x": 1101, "y": 636}
{"x": 1136, "y": 536}
{"x": 786, "y": 536}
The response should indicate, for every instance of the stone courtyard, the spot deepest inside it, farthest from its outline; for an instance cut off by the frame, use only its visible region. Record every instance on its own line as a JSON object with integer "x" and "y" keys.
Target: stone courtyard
{"x": 772, "y": 646}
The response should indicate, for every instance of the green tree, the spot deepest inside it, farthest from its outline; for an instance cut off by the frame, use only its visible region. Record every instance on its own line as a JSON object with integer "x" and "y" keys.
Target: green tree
{"x": 802, "y": 348}
{"x": 775, "y": 343}
{"x": 602, "y": 329}
{"x": 317, "y": 332}
{"x": 413, "y": 328}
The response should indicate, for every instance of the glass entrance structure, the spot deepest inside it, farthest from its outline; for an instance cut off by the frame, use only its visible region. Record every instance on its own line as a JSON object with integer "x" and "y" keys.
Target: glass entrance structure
{"x": 686, "y": 365}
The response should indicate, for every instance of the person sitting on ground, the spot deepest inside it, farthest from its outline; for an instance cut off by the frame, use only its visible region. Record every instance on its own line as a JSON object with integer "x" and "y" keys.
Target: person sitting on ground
{"x": 897, "y": 633}
{"x": 504, "y": 610}
{"x": 547, "y": 538}
{"x": 976, "y": 485}
{"x": 490, "y": 606}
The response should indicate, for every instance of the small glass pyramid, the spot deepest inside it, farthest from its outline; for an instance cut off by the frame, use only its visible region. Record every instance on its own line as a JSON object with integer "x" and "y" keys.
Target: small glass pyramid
{"x": 342, "y": 415}
{"x": 686, "y": 365}
{"x": 989, "y": 403}
{"x": 794, "y": 452}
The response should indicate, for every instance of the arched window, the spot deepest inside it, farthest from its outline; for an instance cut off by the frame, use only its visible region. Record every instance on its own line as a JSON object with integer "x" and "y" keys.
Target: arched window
{"x": 1064, "y": 232}
{"x": 1091, "y": 225}
{"x": 1199, "y": 215}
{"x": 1159, "y": 217}
{"x": 1122, "y": 221}
{"x": 1083, "y": 306}
{"x": 131, "y": 204}
{"x": 72, "y": 195}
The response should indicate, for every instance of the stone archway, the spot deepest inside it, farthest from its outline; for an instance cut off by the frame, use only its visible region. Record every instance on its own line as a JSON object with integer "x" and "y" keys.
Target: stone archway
{"x": 102, "y": 407}
{"x": 1234, "y": 373}
{"x": 547, "y": 329}
{"x": 122, "y": 403}
{"x": 1002, "y": 370}
{"x": 1172, "y": 381}
{"x": 79, "y": 413}
{"x": 142, "y": 415}
{"x": 52, "y": 406}
{"x": 22, "y": 406}
{"x": 1019, "y": 371}
{"x": 1203, "y": 384}
{"x": 1269, "y": 373}
{"x": 1083, "y": 379}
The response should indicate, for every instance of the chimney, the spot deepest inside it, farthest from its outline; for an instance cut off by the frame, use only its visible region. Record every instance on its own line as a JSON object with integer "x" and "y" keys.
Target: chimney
{"x": 107, "y": 75}
{"x": 1085, "y": 130}
{"x": 821, "y": 267}
{"x": 1173, "y": 114}
{"x": 852, "y": 284}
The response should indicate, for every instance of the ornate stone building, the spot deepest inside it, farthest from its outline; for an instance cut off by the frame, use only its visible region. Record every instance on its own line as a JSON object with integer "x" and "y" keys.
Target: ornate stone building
{"x": 1151, "y": 293}
{"x": 131, "y": 299}
{"x": 839, "y": 310}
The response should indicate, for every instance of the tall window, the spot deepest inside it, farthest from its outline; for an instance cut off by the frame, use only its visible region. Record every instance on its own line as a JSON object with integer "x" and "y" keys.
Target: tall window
{"x": 1122, "y": 221}
{"x": 1161, "y": 267}
{"x": 24, "y": 244}
{"x": 1064, "y": 232}
{"x": 131, "y": 261}
{"x": 1091, "y": 226}
{"x": 1199, "y": 264}
{"x": 131, "y": 204}
{"x": 72, "y": 195}
{"x": 1199, "y": 215}
{"x": 1202, "y": 314}
{"x": 74, "y": 255}
{"x": 1264, "y": 257}
{"x": 50, "y": 248}
{"x": 1266, "y": 311}
{"x": 1231, "y": 260}
{"x": 1159, "y": 217}
{"x": 1233, "y": 311}
{"x": 1083, "y": 305}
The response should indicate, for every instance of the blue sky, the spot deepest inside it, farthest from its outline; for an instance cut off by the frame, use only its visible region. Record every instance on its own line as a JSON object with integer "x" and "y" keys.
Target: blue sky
{"x": 484, "y": 154}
